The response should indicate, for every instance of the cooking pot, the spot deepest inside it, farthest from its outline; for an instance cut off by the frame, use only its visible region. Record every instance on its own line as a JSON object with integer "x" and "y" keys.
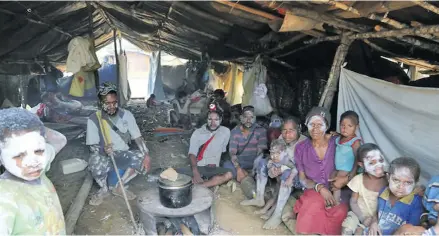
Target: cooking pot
{"x": 175, "y": 194}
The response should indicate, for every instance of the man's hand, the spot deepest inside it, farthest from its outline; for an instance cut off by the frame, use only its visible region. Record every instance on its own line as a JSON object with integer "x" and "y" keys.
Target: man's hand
{"x": 240, "y": 174}
{"x": 197, "y": 177}
{"x": 327, "y": 195}
{"x": 339, "y": 182}
{"x": 147, "y": 162}
{"x": 109, "y": 149}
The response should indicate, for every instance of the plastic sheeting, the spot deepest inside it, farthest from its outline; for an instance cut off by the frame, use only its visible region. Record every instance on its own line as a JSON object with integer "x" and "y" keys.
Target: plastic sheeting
{"x": 158, "y": 82}
{"x": 402, "y": 120}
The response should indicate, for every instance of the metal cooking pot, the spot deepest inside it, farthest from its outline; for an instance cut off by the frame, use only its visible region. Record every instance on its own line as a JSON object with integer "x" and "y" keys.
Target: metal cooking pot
{"x": 175, "y": 194}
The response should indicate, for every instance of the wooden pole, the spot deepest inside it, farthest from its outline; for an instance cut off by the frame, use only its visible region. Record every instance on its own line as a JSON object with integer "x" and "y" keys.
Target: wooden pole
{"x": 75, "y": 208}
{"x": 334, "y": 74}
{"x": 117, "y": 64}
{"x": 427, "y": 6}
{"x": 431, "y": 29}
{"x": 92, "y": 40}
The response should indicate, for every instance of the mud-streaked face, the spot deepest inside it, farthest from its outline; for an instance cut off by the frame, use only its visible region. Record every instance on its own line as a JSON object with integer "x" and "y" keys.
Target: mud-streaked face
{"x": 374, "y": 163}
{"x": 24, "y": 155}
{"x": 278, "y": 153}
{"x": 402, "y": 182}
{"x": 110, "y": 104}
{"x": 317, "y": 126}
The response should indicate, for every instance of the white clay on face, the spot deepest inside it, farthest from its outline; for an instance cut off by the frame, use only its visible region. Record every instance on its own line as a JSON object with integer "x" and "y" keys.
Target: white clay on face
{"x": 377, "y": 168}
{"x": 31, "y": 161}
{"x": 402, "y": 182}
{"x": 317, "y": 121}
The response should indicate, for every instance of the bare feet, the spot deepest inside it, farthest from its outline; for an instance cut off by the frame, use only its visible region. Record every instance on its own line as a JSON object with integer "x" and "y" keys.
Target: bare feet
{"x": 273, "y": 222}
{"x": 260, "y": 212}
{"x": 118, "y": 192}
{"x": 268, "y": 214}
{"x": 253, "y": 202}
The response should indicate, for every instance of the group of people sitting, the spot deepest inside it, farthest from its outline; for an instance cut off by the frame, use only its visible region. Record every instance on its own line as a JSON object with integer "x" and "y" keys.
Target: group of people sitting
{"x": 343, "y": 185}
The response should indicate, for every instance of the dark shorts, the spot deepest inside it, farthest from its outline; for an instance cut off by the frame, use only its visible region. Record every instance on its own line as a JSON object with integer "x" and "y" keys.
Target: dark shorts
{"x": 206, "y": 172}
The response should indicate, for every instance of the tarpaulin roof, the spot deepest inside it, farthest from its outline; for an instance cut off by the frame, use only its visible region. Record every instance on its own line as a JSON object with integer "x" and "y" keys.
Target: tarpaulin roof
{"x": 40, "y": 31}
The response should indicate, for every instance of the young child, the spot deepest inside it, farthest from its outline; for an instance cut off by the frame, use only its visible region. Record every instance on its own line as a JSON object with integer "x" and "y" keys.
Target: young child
{"x": 347, "y": 145}
{"x": 431, "y": 201}
{"x": 365, "y": 188}
{"x": 28, "y": 203}
{"x": 279, "y": 159}
{"x": 398, "y": 204}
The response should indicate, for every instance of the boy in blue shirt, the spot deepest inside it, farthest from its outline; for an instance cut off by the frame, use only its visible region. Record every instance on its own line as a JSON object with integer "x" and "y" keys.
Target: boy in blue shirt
{"x": 398, "y": 204}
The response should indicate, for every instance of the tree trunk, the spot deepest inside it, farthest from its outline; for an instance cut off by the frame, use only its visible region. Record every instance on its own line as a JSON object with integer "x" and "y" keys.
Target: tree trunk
{"x": 334, "y": 74}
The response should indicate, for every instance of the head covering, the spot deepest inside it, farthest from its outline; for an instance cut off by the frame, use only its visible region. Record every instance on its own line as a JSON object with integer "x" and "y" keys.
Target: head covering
{"x": 319, "y": 111}
{"x": 107, "y": 87}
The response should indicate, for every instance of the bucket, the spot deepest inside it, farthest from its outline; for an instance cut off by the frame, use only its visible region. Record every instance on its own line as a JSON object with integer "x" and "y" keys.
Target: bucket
{"x": 112, "y": 177}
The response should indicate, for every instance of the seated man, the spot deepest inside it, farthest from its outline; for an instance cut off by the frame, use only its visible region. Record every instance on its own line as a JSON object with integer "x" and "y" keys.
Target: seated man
{"x": 206, "y": 146}
{"x": 247, "y": 142}
{"x": 109, "y": 132}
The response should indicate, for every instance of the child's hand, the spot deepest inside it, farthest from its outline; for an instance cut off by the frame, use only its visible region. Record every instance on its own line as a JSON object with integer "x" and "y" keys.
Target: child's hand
{"x": 274, "y": 172}
{"x": 288, "y": 182}
{"x": 374, "y": 229}
{"x": 367, "y": 221}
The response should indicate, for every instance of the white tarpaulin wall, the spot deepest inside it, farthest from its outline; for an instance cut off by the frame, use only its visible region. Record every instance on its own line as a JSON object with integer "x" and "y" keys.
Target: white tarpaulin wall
{"x": 402, "y": 120}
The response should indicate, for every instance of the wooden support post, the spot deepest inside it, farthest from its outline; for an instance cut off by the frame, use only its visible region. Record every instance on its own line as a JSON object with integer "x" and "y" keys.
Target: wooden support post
{"x": 116, "y": 58}
{"x": 92, "y": 40}
{"x": 334, "y": 74}
{"x": 75, "y": 208}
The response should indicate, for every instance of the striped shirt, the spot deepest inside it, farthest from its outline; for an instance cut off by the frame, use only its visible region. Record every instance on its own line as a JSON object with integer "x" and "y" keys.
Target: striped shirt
{"x": 238, "y": 141}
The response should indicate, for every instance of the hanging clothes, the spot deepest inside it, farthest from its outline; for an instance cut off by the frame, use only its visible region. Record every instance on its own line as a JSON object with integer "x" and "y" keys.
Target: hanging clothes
{"x": 81, "y": 55}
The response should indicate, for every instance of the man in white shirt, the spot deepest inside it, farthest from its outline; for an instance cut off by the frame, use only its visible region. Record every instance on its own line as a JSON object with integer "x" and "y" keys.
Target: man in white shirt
{"x": 207, "y": 145}
{"x": 109, "y": 132}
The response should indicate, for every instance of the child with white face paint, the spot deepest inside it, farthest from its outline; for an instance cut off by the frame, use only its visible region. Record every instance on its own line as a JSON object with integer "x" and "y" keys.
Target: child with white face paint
{"x": 347, "y": 145}
{"x": 29, "y": 203}
{"x": 365, "y": 189}
{"x": 398, "y": 204}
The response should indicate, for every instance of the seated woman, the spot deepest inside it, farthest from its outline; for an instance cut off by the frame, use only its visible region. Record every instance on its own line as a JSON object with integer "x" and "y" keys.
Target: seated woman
{"x": 316, "y": 210}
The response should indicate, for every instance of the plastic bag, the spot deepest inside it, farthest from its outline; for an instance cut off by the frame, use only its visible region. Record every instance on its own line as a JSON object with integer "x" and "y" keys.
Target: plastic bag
{"x": 260, "y": 101}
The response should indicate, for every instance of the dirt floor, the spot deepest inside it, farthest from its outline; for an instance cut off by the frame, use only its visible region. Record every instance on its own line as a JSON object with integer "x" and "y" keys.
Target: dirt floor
{"x": 112, "y": 217}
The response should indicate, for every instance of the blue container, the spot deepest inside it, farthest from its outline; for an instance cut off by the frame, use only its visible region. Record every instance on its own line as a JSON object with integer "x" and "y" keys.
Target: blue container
{"x": 112, "y": 177}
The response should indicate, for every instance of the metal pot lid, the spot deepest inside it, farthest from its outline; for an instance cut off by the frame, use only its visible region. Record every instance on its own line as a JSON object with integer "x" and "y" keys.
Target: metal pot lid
{"x": 182, "y": 180}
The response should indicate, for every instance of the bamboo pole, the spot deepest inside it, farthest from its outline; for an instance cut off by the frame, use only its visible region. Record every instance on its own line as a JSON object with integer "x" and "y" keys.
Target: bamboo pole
{"x": 286, "y": 43}
{"x": 334, "y": 74}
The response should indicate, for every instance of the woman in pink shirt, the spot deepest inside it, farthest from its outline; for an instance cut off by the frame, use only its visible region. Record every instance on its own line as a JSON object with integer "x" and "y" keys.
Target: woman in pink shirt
{"x": 316, "y": 210}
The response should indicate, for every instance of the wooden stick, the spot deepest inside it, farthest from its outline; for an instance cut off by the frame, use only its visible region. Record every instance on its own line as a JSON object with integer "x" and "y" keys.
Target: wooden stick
{"x": 75, "y": 208}
{"x": 334, "y": 74}
{"x": 372, "y": 16}
{"x": 249, "y": 10}
{"x": 431, "y": 29}
{"x": 427, "y": 6}
{"x": 286, "y": 43}
{"x": 294, "y": 51}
